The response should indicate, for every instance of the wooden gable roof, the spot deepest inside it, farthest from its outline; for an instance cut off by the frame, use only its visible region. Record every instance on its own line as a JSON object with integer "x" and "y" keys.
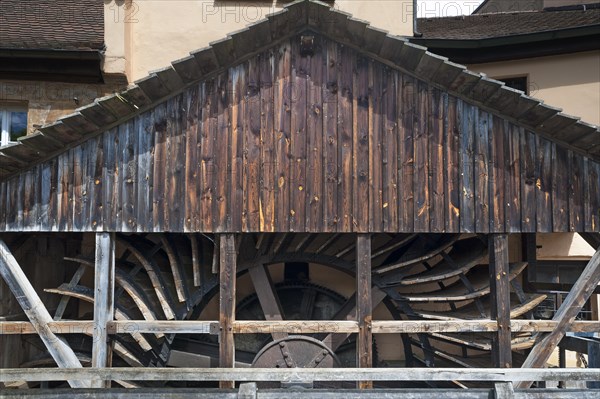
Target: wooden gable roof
{"x": 309, "y": 121}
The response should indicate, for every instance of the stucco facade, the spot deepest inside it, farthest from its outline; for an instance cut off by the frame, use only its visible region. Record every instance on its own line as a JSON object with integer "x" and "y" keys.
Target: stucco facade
{"x": 142, "y": 36}
{"x": 569, "y": 81}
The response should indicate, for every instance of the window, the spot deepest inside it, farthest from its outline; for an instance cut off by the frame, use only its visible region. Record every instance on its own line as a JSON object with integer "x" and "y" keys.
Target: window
{"x": 13, "y": 122}
{"x": 518, "y": 83}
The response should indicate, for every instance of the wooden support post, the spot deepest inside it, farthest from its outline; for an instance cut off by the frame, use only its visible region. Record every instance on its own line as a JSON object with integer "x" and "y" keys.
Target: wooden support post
{"x": 364, "y": 313}
{"x": 37, "y": 313}
{"x": 500, "y": 300}
{"x": 504, "y": 390}
{"x": 571, "y": 306}
{"x": 247, "y": 391}
{"x": 227, "y": 257}
{"x": 104, "y": 302}
{"x": 593, "y": 353}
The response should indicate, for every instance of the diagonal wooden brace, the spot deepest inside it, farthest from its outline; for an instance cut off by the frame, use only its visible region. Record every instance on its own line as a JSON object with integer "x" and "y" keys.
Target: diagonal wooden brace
{"x": 37, "y": 313}
{"x": 572, "y": 305}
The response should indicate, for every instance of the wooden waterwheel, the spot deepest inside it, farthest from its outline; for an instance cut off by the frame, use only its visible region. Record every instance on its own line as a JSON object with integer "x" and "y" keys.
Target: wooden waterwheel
{"x": 296, "y": 277}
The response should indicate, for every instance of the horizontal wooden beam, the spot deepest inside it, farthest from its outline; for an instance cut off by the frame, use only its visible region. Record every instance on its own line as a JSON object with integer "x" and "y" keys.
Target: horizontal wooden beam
{"x": 298, "y": 374}
{"x": 195, "y": 393}
{"x": 293, "y": 326}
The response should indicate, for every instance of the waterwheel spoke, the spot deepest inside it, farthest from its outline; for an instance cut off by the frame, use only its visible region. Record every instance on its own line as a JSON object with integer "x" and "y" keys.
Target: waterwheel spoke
{"x": 86, "y": 294}
{"x": 64, "y": 301}
{"x": 128, "y": 285}
{"x": 179, "y": 277}
{"x": 267, "y": 296}
{"x": 155, "y": 278}
{"x": 195, "y": 260}
{"x": 307, "y": 305}
{"x": 334, "y": 340}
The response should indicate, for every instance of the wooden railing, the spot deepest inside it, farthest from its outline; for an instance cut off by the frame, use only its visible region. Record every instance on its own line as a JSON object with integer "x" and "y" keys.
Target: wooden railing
{"x": 294, "y": 327}
{"x": 298, "y": 374}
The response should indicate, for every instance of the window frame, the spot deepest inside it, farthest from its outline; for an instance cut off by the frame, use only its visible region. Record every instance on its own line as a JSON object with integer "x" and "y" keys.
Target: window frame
{"x": 5, "y": 120}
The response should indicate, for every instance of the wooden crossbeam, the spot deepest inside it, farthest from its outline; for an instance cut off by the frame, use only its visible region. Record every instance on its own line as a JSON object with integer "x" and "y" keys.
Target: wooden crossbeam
{"x": 227, "y": 282}
{"x": 299, "y": 374}
{"x": 294, "y": 326}
{"x": 104, "y": 302}
{"x": 571, "y": 306}
{"x": 37, "y": 313}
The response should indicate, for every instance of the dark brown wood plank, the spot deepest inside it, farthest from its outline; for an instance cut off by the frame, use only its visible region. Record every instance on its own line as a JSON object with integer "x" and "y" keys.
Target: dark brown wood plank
{"x": 227, "y": 288}
{"x": 481, "y": 158}
{"x": 89, "y": 186}
{"x": 330, "y": 137}
{"x": 390, "y": 147}
{"x": 53, "y": 195}
{"x": 128, "y": 174}
{"x": 144, "y": 133}
{"x": 407, "y": 95}
{"x": 108, "y": 176}
{"x": 282, "y": 126}
{"x": 251, "y": 116}
{"x": 96, "y": 220}
{"x": 513, "y": 180}
{"x": 500, "y": 300}
{"x": 316, "y": 140}
{"x": 200, "y": 142}
{"x": 65, "y": 190}
{"x": 298, "y": 139}
{"x": 592, "y": 195}
{"x": 45, "y": 175}
{"x": 192, "y": 161}
{"x": 159, "y": 114}
{"x": 11, "y": 205}
{"x": 345, "y": 147}
{"x": 497, "y": 179}
{"x": 209, "y": 124}
{"x": 375, "y": 87}
{"x": 240, "y": 118}
{"x": 267, "y": 138}
{"x": 30, "y": 199}
{"x": 421, "y": 159}
{"x": 543, "y": 185}
{"x": 451, "y": 167}
{"x": 360, "y": 143}
{"x": 364, "y": 308}
{"x": 4, "y": 204}
{"x": 222, "y": 155}
{"x": 175, "y": 184}
{"x": 528, "y": 200}
{"x": 435, "y": 122}
{"x": 560, "y": 189}
{"x": 576, "y": 187}
{"x": 468, "y": 120}
{"x": 79, "y": 194}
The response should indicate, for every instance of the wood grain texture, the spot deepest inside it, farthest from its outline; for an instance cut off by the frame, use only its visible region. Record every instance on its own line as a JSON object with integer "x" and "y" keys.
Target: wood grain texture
{"x": 227, "y": 283}
{"x": 500, "y": 300}
{"x": 332, "y": 141}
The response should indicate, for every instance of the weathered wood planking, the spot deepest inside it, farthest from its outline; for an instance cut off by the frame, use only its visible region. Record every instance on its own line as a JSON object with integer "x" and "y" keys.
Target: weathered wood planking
{"x": 407, "y": 95}
{"x": 331, "y": 141}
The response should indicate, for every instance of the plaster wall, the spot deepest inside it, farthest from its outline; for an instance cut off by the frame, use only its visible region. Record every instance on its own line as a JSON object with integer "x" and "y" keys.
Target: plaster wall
{"x": 142, "y": 36}
{"x": 570, "y": 81}
{"x": 558, "y": 246}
